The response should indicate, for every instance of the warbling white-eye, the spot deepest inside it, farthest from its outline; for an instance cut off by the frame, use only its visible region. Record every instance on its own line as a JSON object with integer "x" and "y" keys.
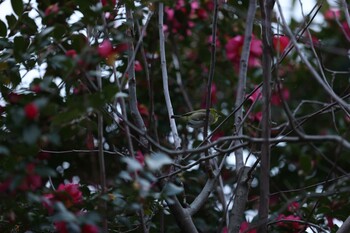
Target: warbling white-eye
{"x": 196, "y": 119}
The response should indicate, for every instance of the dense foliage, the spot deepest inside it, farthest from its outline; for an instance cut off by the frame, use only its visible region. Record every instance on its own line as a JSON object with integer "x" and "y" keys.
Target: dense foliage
{"x": 89, "y": 145}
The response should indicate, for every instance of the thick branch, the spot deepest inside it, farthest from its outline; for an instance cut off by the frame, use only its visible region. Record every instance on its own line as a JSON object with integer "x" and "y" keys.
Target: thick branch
{"x": 266, "y": 11}
{"x": 242, "y": 77}
{"x": 165, "y": 78}
{"x": 241, "y": 197}
{"x": 132, "y": 83}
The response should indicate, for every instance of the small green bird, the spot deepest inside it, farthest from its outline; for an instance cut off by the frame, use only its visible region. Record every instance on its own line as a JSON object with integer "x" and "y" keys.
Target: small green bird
{"x": 196, "y": 119}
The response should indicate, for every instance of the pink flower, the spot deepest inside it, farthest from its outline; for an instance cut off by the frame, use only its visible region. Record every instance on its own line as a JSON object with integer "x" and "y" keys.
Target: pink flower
{"x": 31, "y": 111}
{"x": 291, "y": 221}
{"x": 213, "y": 93}
{"x": 234, "y": 49}
{"x": 275, "y": 97}
{"x": 332, "y": 14}
{"x": 294, "y": 206}
{"x": 105, "y": 49}
{"x": 140, "y": 158}
{"x": 245, "y": 226}
{"x": 255, "y": 96}
{"x": 32, "y": 181}
{"x": 179, "y": 18}
{"x": 138, "y": 66}
{"x": 52, "y": 9}
{"x": 346, "y": 28}
{"x": 69, "y": 194}
{"x": 280, "y": 43}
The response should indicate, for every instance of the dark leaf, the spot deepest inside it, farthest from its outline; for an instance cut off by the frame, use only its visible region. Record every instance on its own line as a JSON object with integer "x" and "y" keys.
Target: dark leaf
{"x": 3, "y": 29}
{"x": 17, "y": 6}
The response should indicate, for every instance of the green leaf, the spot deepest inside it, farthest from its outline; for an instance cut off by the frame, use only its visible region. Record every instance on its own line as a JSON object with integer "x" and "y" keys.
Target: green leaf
{"x": 133, "y": 164}
{"x": 20, "y": 45}
{"x": 31, "y": 134}
{"x": 157, "y": 160}
{"x": 4, "y": 150}
{"x": 3, "y": 29}
{"x": 11, "y": 21}
{"x": 45, "y": 171}
{"x": 171, "y": 189}
{"x": 17, "y": 6}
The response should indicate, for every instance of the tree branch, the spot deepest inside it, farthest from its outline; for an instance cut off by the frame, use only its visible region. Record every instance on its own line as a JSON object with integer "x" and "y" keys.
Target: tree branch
{"x": 242, "y": 77}
{"x": 266, "y": 11}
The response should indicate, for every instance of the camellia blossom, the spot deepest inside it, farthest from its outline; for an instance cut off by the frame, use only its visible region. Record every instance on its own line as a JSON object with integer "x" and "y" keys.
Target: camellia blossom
{"x": 108, "y": 2}
{"x": 276, "y": 98}
{"x": 234, "y": 48}
{"x": 291, "y": 222}
{"x": 31, "y": 111}
{"x": 138, "y": 66}
{"x": 32, "y": 180}
{"x": 280, "y": 43}
{"x": 105, "y": 49}
{"x": 332, "y": 14}
{"x": 245, "y": 226}
{"x": 71, "y": 53}
{"x": 52, "y": 9}
{"x": 61, "y": 227}
{"x": 69, "y": 194}
{"x": 89, "y": 228}
{"x": 110, "y": 53}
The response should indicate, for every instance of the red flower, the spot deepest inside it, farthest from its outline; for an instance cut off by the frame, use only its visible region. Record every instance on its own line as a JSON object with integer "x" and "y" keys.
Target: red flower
{"x": 234, "y": 49}
{"x": 245, "y": 226}
{"x": 330, "y": 222}
{"x": 52, "y": 9}
{"x": 213, "y": 93}
{"x": 138, "y": 66}
{"x": 105, "y": 49}
{"x": 143, "y": 110}
{"x": 32, "y": 180}
{"x": 88, "y": 228}
{"x": 120, "y": 48}
{"x": 61, "y": 227}
{"x": 35, "y": 88}
{"x": 346, "y": 29}
{"x": 294, "y": 206}
{"x": 332, "y": 14}
{"x": 108, "y": 2}
{"x": 5, "y": 185}
{"x": 255, "y": 96}
{"x": 31, "y": 111}
{"x": 291, "y": 221}
{"x": 257, "y": 117}
{"x": 275, "y": 97}
{"x": 140, "y": 158}
{"x": 217, "y": 135}
{"x": 14, "y": 98}
{"x": 280, "y": 43}
{"x": 71, "y": 53}
{"x": 69, "y": 194}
